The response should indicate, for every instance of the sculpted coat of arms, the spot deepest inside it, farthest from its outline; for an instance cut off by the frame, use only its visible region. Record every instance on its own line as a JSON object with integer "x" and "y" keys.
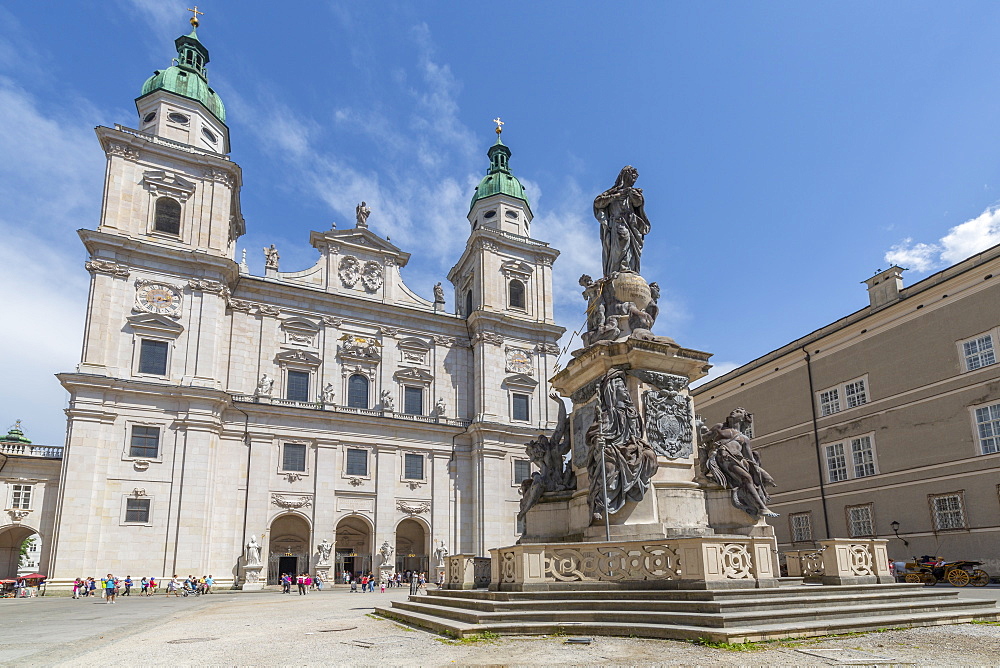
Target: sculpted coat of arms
{"x": 668, "y": 423}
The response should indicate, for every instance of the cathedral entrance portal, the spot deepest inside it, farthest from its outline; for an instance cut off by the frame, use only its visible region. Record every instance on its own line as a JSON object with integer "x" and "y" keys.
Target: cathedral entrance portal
{"x": 11, "y": 540}
{"x": 411, "y": 547}
{"x": 353, "y": 547}
{"x": 289, "y": 547}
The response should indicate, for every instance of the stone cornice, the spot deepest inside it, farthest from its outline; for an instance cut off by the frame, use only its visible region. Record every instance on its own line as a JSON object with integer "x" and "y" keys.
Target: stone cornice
{"x": 134, "y": 145}
{"x": 211, "y": 268}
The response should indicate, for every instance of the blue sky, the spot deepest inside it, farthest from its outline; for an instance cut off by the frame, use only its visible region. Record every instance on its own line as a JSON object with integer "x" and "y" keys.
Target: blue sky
{"x": 787, "y": 150}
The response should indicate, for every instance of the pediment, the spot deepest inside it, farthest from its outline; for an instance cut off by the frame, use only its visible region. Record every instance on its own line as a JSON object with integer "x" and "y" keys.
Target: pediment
{"x": 160, "y": 182}
{"x": 153, "y": 322}
{"x": 298, "y": 357}
{"x": 414, "y": 343}
{"x": 411, "y": 374}
{"x": 520, "y": 380}
{"x": 516, "y": 267}
{"x": 360, "y": 240}
{"x": 300, "y": 324}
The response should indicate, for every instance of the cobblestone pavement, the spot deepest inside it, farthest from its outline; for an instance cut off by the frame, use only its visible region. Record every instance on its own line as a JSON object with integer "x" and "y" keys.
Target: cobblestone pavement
{"x": 268, "y": 628}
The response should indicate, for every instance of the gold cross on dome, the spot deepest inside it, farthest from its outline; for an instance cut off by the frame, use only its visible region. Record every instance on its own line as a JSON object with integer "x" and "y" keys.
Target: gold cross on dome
{"x": 499, "y": 124}
{"x": 194, "y": 15}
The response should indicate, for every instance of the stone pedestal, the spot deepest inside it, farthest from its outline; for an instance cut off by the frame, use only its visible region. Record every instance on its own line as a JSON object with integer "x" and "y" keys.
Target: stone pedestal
{"x": 680, "y": 502}
{"x": 323, "y": 571}
{"x": 252, "y": 578}
{"x": 853, "y": 561}
{"x": 460, "y": 571}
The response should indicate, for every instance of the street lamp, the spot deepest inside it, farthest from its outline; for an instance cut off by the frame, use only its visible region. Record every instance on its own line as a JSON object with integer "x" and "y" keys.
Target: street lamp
{"x": 895, "y": 529}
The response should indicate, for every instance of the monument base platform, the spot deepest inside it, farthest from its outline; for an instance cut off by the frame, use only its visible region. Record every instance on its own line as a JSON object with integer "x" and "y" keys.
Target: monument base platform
{"x": 740, "y": 615}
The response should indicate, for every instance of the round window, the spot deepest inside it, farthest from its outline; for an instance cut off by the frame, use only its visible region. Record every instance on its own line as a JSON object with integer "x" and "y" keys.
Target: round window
{"x": 209, "y": 135}
{"x": 178, "y": 118}
{"x": 511, "y": 214}
{"x": 149, "y": 117}
{"x": 489, "y": 214}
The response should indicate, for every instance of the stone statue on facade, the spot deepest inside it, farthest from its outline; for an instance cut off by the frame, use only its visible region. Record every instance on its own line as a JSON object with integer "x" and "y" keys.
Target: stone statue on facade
{"x": 253, "y": 552}
{"x": 388, "y": 403}
{"x": 616, "y": 439}
{"x": 732, "y": 463}
{"x": 386, "y": 552}
{"x": 438, "y": 293}
{"x": 271, "y": 258}
{"x": 440, "y": 407}
{"x": 441, "y": 553}
{"x": 324, "y": 549}
{"x": 329, "y": 394}
{"x": 548, "y": 453}
{"x": 362, "y": 212}
{"x": 621, "y": 212}
{"x": 264, "y": 386}
{"x": 360, "y": 346}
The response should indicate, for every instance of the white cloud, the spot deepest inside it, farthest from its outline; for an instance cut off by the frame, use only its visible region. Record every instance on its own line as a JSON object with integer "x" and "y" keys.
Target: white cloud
{"x": 962, "y": 241}
{"x": 50, "y": 190}
{"x": 163, "y": 16}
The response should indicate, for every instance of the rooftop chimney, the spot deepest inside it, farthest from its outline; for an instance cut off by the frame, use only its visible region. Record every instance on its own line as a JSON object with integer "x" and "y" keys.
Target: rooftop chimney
{"x": 884, "y": 287}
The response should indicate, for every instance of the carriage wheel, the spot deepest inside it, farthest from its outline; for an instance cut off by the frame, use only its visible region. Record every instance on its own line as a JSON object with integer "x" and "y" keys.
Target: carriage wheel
{"x": 958, "y": 577}
{"x": 980, "y": 578}
{"x": 913, "y": 577}
{"x": 929, "y": 579}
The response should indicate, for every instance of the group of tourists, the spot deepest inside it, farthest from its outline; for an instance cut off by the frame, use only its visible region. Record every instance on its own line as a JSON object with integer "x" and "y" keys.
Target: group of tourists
{"x": 368, "y": 582}
{"x": 303, "y": 581}
{"x": 111, "y": 587}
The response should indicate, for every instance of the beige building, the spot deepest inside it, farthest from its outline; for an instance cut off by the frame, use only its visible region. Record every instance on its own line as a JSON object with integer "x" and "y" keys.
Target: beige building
{"x": 321, "y": 413}
{"x": 890, "y": 414}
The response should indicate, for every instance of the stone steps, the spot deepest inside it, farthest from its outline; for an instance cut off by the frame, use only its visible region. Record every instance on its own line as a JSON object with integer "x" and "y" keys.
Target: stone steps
{"x": 730, "y": 616}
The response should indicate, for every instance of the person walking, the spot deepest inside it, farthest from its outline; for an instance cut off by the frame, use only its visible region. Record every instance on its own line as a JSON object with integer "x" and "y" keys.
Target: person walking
{"x": 128, "y": 586}
{"x": 209, "y": 581}
{"x": 152, "y": 585}
{"x": 319, "y": 582}
{"x": 91, "y": 587}
{"x": 110, "y": 589}
{"x": 76, "y": 588}
{"x": 144, "y": 584}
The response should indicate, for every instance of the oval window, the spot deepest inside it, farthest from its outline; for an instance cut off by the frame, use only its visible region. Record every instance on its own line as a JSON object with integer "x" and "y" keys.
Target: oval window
{"x": 511, "y": 214}
{"x": 489, "y": 214}
{"x": 209, "y": 135}
{"x": 149, "y": 117}
{"x": 178, "y": 118}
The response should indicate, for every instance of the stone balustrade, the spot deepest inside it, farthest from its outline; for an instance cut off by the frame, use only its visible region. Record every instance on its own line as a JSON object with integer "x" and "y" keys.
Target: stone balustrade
{"x": 336, "y": 408}
{"x": 842, "y": 561}
{"x": 714, "y": 562}
{"x": 28, "y": 450}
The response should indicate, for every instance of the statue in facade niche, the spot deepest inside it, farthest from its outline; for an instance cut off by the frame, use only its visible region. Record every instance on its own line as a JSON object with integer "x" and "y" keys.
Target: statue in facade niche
{"x": 253, "y": 552}
{"x": 548, "y": 453}
{"x": 324, "y": 549}
{"x": 271, "y": 258}
{"x": 329, "y": 394}
{"x": 386, "y": 552}
{"x": 441, "y": 553}
{"x": 362, "y": 212}
{"x": 264, "y": 386}
{"x": 388, "y": 403}
{"x": 440, "y": 407}
{"x": 731, "y": 462}
{"x": 617, "y": 433}
{"x": 621, "y": 212}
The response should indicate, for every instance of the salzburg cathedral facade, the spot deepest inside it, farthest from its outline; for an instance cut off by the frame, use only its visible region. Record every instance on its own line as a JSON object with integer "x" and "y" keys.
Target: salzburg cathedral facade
{"x": 328, "y": 419}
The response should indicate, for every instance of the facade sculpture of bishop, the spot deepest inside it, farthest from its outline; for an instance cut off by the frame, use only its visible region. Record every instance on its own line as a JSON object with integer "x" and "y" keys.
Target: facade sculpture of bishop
{"x": 621, "y": 212}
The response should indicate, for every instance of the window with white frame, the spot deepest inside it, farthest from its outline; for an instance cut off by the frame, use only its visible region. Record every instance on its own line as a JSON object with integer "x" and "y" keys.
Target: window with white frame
{"x": 413, "y": 400}
{"x": 859, "y": 521}
{"x": 413, "y": 466}
{"x": 836, "y": 462}
{"x": 297, "y": 385}
{"x": 144, "y": 442}
{"x": 845, "y": 396}
{"x": 153, "y": 357}
{"x": 293, "y": 457}
{"x": 948, "y": 511}
{"x": 854, "y": 458}
{"x": 801, "y": 525}
{"x": 978, "y": 352}
{"x": 357, "y": 462}
{"x": 137, "y": 510}
{"x": 520, "y": 406}
{"x": 988, "y": 428}
{"x": 522, "y": 470}
{"x": 20, "y": 496}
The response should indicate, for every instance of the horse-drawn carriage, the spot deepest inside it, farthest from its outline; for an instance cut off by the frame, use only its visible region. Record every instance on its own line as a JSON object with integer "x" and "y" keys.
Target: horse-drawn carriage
{"x": 931, "y": 570}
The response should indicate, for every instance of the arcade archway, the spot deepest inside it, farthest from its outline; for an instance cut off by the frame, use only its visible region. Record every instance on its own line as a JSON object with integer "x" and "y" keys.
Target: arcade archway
{"x": 353, "y": 547}
{"x": 11, "y": 540}
{"x": 288, "y": 541}
{"x": 412, "y": 548}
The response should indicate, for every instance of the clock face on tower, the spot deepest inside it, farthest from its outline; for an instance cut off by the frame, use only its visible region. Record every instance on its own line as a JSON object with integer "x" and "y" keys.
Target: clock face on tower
{"x": 519, "y": 361}
{"x": 158, "y": 298}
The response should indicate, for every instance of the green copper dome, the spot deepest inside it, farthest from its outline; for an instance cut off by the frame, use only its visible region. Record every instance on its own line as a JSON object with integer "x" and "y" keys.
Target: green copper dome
{"x": 188, "y": 77}
{"x": 498, "y": 179}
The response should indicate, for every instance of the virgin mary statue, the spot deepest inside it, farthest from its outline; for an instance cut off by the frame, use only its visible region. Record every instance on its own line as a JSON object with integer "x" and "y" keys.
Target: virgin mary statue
{"x": 624, "y": 224}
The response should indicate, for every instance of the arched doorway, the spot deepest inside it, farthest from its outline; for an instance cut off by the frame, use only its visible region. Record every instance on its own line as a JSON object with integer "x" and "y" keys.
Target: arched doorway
{"x": 288, "y": 540}
{"x": 11, "y": 540}
{"x": 353, "y": 547}
{"x": 411, "y": 547}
